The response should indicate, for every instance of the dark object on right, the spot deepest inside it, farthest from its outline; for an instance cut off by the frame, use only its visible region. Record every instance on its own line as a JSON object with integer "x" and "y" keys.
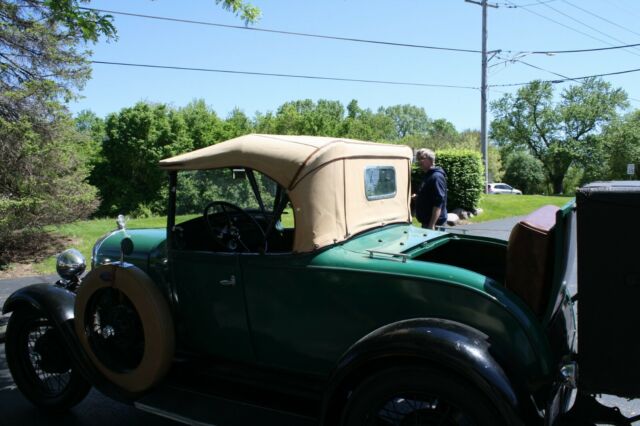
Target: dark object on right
{"x": 608, "y": 288}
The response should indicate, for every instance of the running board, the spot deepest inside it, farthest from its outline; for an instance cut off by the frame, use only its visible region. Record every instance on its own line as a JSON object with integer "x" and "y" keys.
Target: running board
{"x": 197, "y": 409}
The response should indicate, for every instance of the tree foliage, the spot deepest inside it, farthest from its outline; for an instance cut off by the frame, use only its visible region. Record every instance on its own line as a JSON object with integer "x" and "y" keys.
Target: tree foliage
{"x": 44, "y": 159}
{"x": 408, "y": 119}
{"x": 465, "y": 177}
{"x": 136, "y": 139}
{"x": 621, "y": 141}
{"x": 558, "y": 134}
{"x": 524, "y": 172}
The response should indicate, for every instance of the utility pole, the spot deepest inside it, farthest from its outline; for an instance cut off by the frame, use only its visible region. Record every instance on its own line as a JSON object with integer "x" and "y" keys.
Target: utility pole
{"x": 484, "y": 139}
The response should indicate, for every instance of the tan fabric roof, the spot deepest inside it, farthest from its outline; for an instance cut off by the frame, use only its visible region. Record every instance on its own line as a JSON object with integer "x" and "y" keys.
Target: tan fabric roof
{"x": 283, "y": 158}
{"x": 324, "y": 177}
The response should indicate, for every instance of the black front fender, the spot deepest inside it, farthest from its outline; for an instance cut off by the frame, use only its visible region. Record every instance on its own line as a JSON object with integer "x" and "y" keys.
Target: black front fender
{"x": 58, "y": 305}
{"x": 55, "y": 301}
{"x": 456, "y": 347}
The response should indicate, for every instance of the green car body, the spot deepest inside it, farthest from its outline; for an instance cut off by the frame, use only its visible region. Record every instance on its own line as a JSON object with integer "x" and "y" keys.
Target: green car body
{"x": 328, "y": 304}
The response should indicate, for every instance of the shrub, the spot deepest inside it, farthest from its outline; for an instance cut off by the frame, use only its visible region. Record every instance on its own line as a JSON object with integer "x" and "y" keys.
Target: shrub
{"x": 42, "y": 181}
{"x": 524, "y": 172}
{"x": 465, "y": 177}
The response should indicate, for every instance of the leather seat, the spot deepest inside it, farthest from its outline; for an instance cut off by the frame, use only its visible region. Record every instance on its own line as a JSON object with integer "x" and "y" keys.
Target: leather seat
{"x": 530, "y": 258}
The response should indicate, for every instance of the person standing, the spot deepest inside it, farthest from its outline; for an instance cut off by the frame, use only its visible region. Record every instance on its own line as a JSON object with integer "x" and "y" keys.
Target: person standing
{"x": 431, "y": 198}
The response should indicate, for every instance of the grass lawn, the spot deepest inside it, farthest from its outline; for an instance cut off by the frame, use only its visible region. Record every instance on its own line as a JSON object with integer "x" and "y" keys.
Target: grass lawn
{"x": 83, "y": 234}
{"x": 499, "y": 206}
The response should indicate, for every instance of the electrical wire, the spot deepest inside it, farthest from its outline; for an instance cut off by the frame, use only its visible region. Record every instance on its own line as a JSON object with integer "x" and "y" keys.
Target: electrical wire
{"x": 514, "y": 6}
{"x": 560, "y": 75}
{"x": 596, "y": 49}
{"x": 310, "y": 77}
{"x": 187, "y": 21}
{"x": 561, "y": 24}
{"x": 570, "y": 78}
{"x": 580, "y": 22}
{"x": 601, "y": 18}
{"x": 293, "y": 33}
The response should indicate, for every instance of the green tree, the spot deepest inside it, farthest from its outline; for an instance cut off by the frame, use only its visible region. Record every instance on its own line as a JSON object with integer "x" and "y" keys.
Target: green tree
{"x": 306, "y": 117}
{"x": 622, "y": 146}
{"x": 236, "y": 124}
{"x": 524, "y": 172}
{"x": 408, "y": 119}
{"x": 91, "y": 133}
{"x": 137, "y": 138}
{"x": 558, "y": 134}
{"x": 42, "y": 175}
{"x": 366, "y": 125}
{"x": 203, "y": 126}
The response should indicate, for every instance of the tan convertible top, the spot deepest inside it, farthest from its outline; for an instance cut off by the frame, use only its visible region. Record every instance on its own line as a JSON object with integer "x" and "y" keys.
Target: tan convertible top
{"x": 324, "y": 177}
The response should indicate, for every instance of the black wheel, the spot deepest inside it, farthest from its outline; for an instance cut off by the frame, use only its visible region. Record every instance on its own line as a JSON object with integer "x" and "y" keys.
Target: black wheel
{"x": 225, "y": 222}
{"x": 418, "y": 397}
{"x": 40, "y": 364}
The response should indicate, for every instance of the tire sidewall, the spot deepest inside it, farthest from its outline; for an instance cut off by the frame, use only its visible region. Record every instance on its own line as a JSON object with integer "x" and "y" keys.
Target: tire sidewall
{"x": 157, "y": 323}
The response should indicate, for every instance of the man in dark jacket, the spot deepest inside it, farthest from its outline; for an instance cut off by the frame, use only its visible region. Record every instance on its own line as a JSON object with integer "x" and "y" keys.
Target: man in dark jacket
{"x": 431, "y": 198}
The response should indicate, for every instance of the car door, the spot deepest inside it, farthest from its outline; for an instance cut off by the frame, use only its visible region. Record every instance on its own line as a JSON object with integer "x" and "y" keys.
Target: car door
{"x": 212, "y": 312}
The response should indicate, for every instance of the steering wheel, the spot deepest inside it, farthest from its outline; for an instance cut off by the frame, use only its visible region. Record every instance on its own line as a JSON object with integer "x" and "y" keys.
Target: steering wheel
{"x": 225, "y": 228}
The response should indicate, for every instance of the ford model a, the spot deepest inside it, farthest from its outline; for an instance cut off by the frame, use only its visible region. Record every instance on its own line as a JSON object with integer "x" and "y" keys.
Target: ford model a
{"x": 289, "y": 287}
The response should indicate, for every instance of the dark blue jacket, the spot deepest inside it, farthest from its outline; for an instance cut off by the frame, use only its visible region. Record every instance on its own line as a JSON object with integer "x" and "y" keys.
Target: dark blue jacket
{"x": 432, "y": 193}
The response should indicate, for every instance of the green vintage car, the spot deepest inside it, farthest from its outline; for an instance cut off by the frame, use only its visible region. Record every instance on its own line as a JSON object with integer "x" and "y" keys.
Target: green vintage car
{"x": 289, "y": 287}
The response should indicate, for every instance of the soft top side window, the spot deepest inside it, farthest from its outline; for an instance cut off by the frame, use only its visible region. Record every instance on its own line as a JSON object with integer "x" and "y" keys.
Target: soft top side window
{"x": 379, "y": 182}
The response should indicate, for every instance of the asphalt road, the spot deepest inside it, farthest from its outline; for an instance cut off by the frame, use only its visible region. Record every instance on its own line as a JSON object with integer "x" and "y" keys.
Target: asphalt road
{"x": 97, "y": 410}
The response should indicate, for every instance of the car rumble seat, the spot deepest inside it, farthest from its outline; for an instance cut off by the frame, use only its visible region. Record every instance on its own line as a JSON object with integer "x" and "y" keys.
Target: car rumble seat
{"x": 530, "y": 258}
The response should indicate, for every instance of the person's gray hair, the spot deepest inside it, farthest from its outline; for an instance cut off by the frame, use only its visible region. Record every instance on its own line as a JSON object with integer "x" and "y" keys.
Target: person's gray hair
{"x": 426, "y": 152}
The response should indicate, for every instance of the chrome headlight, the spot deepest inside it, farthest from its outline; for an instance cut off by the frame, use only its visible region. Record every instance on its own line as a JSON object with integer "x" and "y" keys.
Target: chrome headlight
{"x": 70, "y": 264}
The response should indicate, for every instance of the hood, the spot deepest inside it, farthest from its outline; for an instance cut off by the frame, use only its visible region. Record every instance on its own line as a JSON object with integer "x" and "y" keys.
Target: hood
{"x": 146, "y": 242}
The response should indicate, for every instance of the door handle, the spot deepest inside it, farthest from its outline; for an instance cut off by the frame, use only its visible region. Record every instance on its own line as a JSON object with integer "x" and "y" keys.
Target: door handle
{"x": 230, "y": 282}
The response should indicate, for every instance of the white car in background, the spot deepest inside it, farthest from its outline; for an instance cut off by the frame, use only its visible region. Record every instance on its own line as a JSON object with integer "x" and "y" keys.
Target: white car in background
{"x": 502, "y": 188}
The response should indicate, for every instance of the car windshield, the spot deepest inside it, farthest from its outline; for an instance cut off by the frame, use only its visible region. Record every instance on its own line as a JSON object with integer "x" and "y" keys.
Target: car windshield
{"x": 198, "y": 188}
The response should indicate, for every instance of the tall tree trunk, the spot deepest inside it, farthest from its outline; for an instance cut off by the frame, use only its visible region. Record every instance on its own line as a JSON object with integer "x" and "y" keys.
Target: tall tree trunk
{"x": 556, "y": 181}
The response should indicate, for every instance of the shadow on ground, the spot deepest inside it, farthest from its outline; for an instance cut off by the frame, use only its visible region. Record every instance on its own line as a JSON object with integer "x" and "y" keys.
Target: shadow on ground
{"x": 95, "y": 410}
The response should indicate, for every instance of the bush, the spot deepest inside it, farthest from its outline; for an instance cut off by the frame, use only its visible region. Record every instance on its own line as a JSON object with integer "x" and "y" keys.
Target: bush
{"x": 465, "y": 177}
{"x": 524, "y": 172}
{"x": 42, "y": 181}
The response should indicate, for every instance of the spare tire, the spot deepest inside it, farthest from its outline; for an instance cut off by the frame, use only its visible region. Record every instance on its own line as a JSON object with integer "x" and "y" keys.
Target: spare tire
{"x": 125, "y": 326}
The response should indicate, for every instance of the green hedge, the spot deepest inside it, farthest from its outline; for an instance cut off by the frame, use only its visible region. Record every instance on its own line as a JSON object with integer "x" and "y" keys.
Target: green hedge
{"x": 465, "y": 177}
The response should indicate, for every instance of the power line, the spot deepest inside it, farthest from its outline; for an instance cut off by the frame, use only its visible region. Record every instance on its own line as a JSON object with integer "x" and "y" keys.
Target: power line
{"x": 357, "y": 40}
{"x": 596, "y": 49}
{"x": 560, "y": 75}
{"x": 560, "y": 23}
{"x": 514, "y": 6}
{"x": 292, "y": 33}
{"x": 571, "y": 78}
{"x": 624, "y": 9}
{"x": 580, "y": 22}
{"x": 601, "y": 18}
{"x": 309, "y": 77}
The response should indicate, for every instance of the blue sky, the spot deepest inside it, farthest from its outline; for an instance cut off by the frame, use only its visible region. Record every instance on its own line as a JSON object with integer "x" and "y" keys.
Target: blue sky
{"x": 445, "y": 23}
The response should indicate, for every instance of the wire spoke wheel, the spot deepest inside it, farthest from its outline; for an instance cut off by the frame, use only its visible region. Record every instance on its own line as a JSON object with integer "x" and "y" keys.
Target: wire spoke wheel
{"x": 40, "y": 364}
{"x": 114, "y": 330}
{"x": 418, "y": 410}
{"x": 418, "y": 397}
{"x": 45, "y": 358}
